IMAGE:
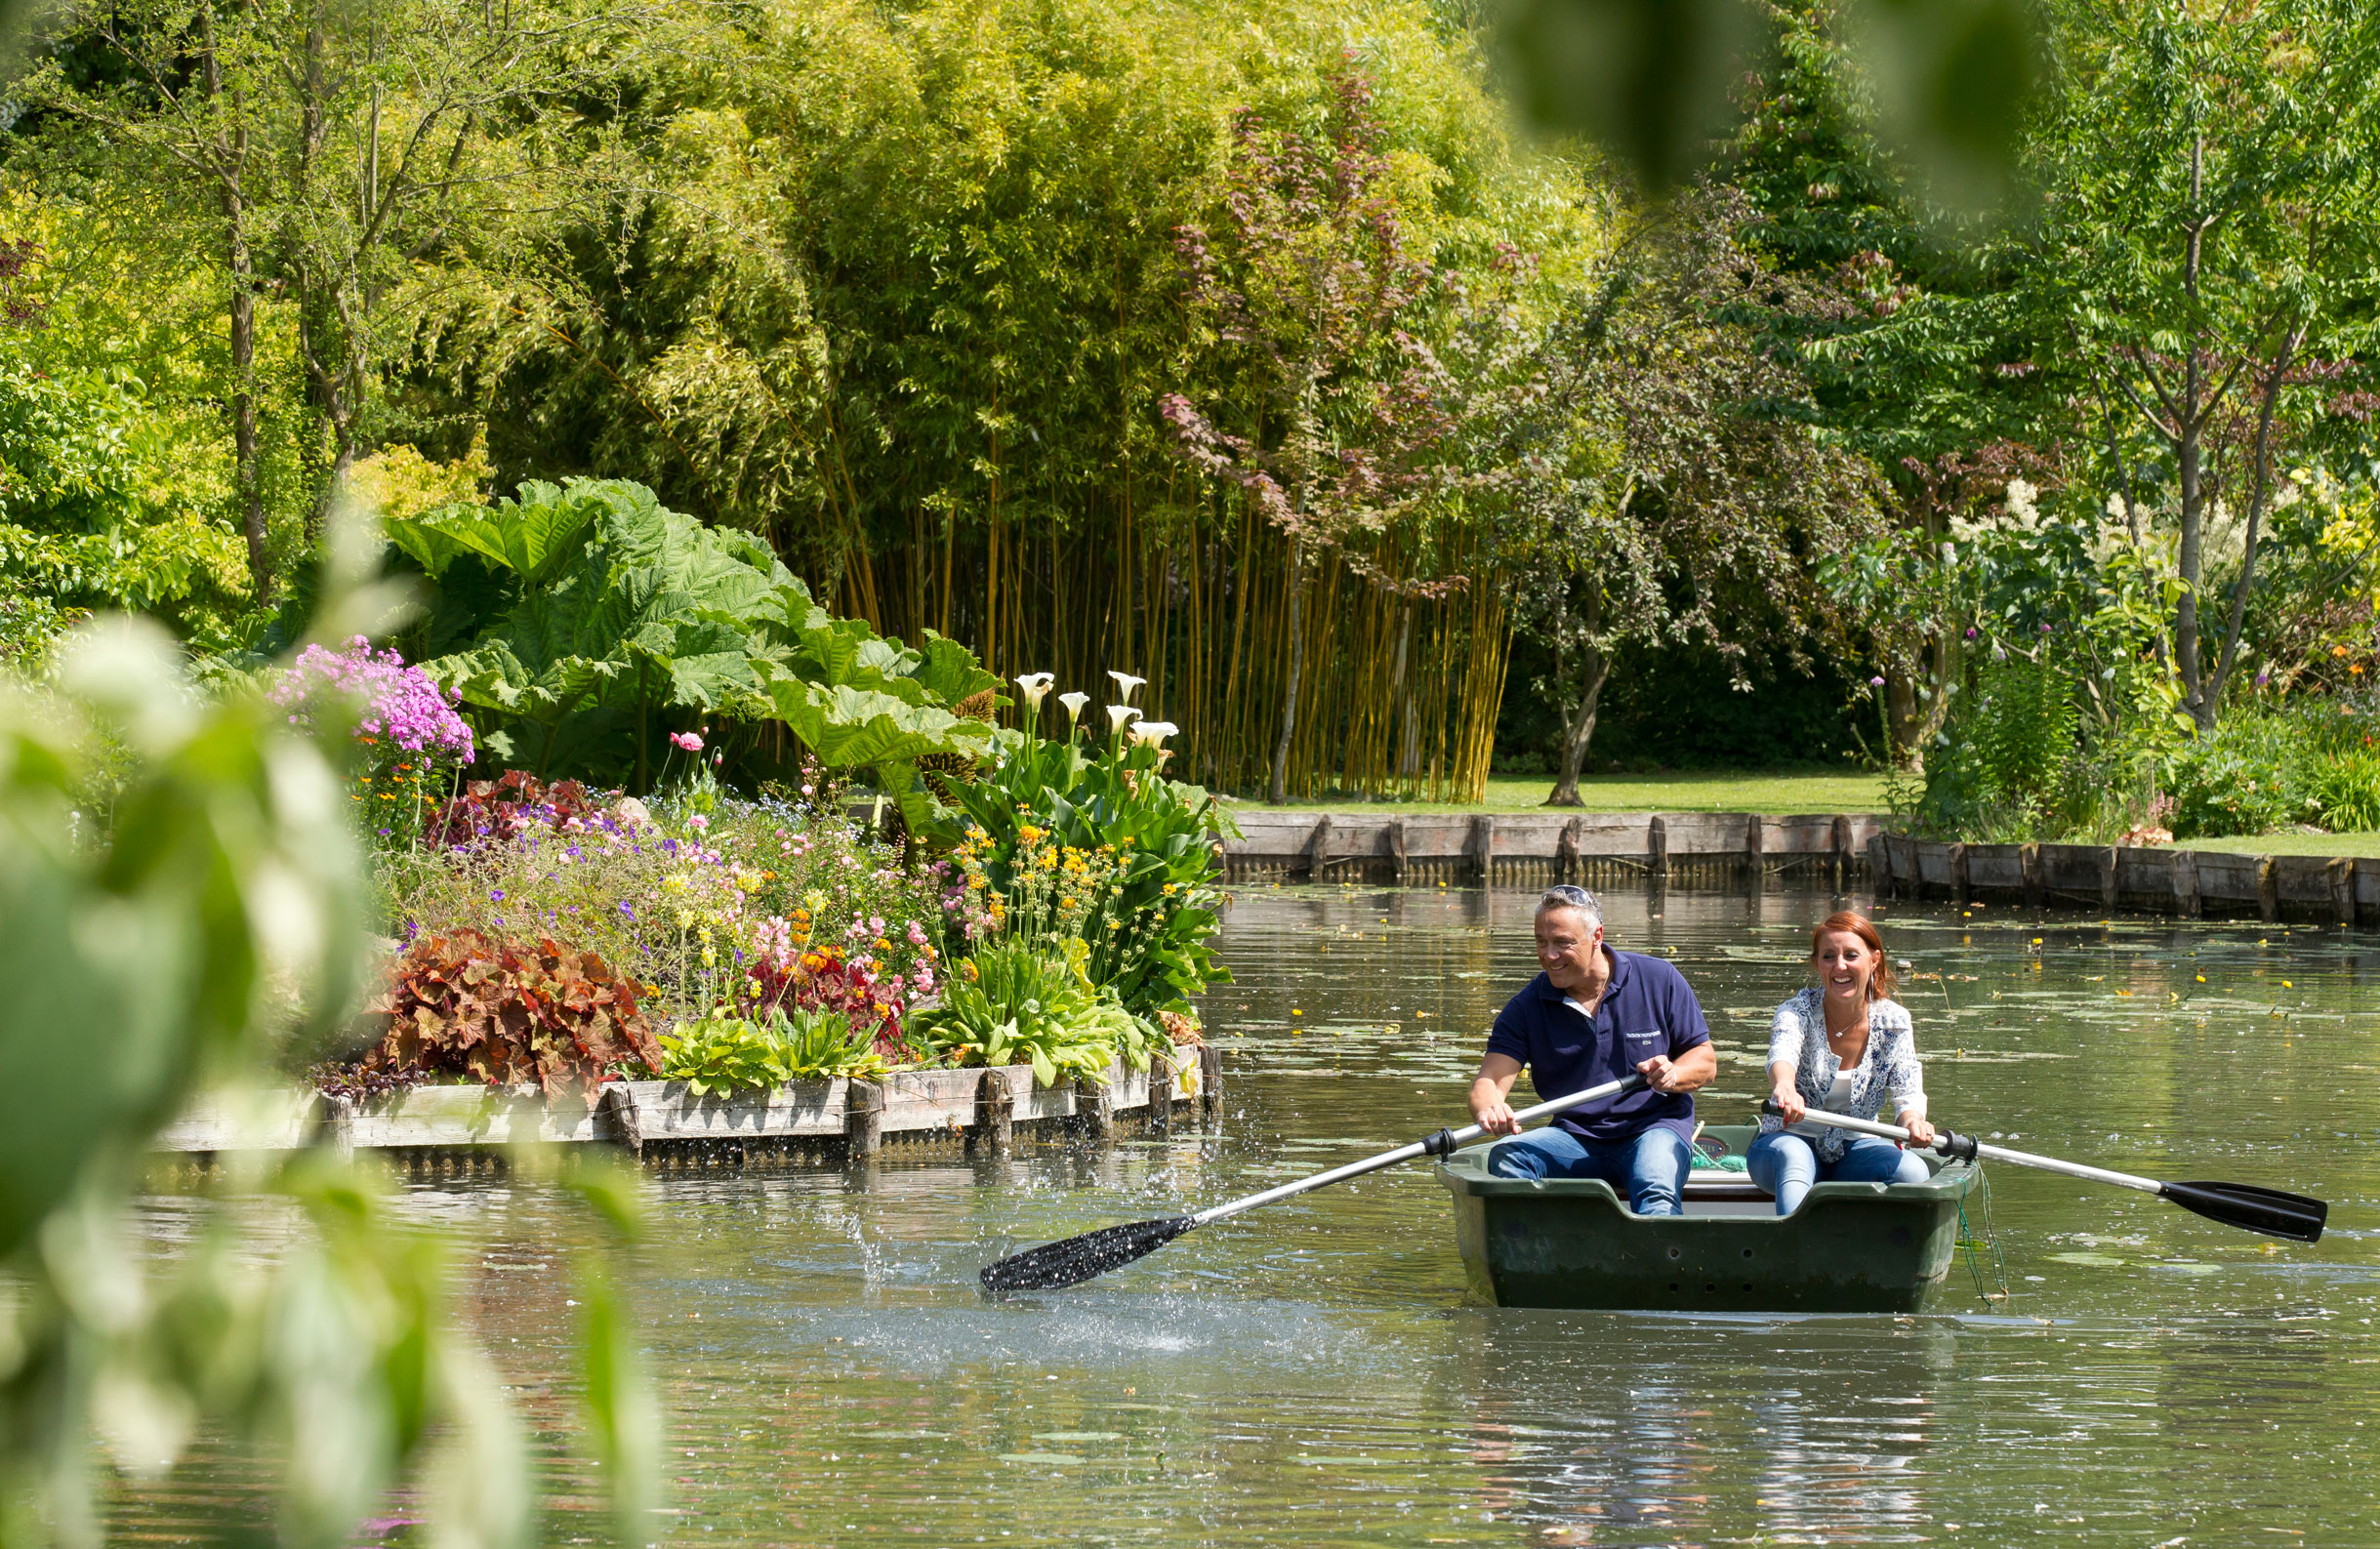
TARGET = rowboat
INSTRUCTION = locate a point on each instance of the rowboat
(1852, 1247)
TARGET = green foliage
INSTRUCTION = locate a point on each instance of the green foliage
(1066, 846)
(2309, 760)
(611, 611)
(723, 1052)
(2001, 765)
(1016, 1003)
(208, 922)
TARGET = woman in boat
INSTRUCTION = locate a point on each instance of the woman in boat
(1838, 1047)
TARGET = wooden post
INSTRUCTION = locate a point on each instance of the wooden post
(1568, 868)
(1160, 1094)
(615, 1118)
(1839, 843)
(1959, 875)
(1483, 848)
(1656, 849)
(1318, 847)
(1095, 1103)
(2106, 879)
(338, 1126)
(1210, 1082)
(1754, 837)
(2029, 859)
(1396, 850)
(1880, 865)
(2342, 878)
(2186, 883)
(995, 1128)
(2268, 888)
(863, 1119)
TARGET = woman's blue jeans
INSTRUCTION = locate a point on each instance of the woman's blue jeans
(1650, 1165)
(1787, 1165)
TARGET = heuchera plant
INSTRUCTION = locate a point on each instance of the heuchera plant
(511, 1013)
(499, 810)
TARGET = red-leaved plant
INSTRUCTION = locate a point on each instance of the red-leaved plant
(498, 810)
(511, 1013)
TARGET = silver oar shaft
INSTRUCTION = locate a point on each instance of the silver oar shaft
(2021, 1158)
(1438, 1145)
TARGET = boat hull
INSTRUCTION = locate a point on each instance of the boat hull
(1852, 1247)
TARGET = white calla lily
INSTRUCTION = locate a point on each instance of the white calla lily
(1126, 683)
(1118, 715)
(1154, 732)
(1036, 686)
(1074, 704)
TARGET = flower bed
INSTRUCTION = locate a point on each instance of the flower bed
(559, 935)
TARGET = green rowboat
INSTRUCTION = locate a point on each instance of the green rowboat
(1852, 1247)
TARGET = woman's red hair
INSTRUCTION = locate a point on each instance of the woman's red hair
(1883, 984)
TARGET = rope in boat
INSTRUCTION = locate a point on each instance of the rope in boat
(1975, 1249)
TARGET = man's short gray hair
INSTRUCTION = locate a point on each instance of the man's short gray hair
(1565, 896)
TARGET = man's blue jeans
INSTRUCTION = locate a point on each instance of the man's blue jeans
(1650, 1165)
(1787, 1165)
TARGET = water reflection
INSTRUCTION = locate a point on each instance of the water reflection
(1309, 1374)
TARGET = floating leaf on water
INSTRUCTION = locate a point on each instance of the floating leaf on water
(2097, 1260)
(1044, 1459)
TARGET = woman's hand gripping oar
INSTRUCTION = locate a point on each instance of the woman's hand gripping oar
(1077, 1258)
(2241, 1205)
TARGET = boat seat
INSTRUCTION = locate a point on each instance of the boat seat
(1708, 1183)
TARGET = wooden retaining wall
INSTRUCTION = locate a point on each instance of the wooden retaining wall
(2112, 879)
(465, 1127)
(1540, 848)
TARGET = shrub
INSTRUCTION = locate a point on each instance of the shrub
(2003, 764)
(1064, 846)
(499, 811)
(723, 1052)
(2344, 791)
(406, 730)
(1012, 1005)
(511, 1013)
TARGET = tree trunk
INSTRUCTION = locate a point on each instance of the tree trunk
(247, 474)
(2188, 453)
(1580, 728)
(1280, 793)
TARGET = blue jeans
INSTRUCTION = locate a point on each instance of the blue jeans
(1787, 1165)
(1651, 1166)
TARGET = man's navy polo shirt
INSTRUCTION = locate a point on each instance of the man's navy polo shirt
(1647, 1009)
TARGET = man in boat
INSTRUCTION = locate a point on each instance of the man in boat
(1591, 1016)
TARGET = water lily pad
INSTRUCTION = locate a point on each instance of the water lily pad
(2096, 1260)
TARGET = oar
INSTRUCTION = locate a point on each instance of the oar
(1077, 1259)
(2240, 1204)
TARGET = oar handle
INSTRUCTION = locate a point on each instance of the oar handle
(1956, 1147)
(1966, 1148)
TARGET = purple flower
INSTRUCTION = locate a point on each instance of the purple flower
(397, 702)
(625, 910)
(2046, 629)
(1970, 631)
(496, 894)
(1875, 682)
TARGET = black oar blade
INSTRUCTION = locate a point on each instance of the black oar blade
(2254, 1209)
(1077, 1259)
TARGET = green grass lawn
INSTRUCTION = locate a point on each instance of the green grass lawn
(1720, 791)
(2362, 846)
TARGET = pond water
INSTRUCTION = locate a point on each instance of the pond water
(1309, 1374)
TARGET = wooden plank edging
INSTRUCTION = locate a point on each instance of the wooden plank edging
(2132, 878)
(637, 1114)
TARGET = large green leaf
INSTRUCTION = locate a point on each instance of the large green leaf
(532, 536)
